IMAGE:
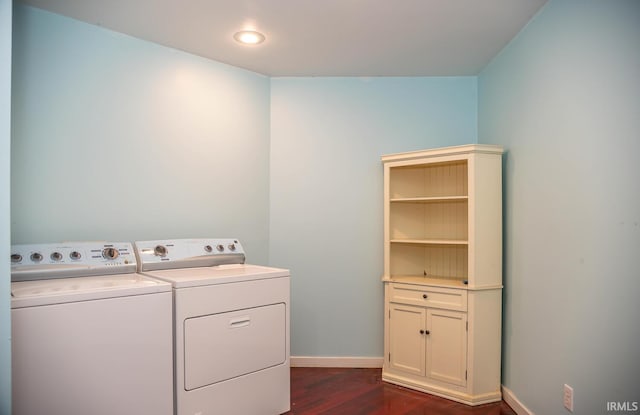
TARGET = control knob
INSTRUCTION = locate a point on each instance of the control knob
(220, 247)
(36, 257)
(16, 258)
(160, 250)
(110, 253)
(56, 256)
(208, 248)
(232, 247)
(75, 255)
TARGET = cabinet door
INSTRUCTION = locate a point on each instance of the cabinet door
(447, 346)
(406, 342)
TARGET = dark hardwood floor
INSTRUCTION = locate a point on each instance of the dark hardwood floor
(337, 391)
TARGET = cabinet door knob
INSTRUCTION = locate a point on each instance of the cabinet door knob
(424, 296)
(421, 331)
(426, 332)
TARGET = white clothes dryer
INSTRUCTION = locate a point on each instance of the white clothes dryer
(231, 328)
(89, 335)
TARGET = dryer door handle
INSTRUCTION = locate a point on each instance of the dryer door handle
(240, 322)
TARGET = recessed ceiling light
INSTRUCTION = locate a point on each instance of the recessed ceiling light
(249, 37)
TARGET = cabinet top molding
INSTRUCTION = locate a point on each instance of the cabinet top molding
(445, 151)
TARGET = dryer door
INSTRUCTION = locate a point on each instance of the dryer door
(226, 345)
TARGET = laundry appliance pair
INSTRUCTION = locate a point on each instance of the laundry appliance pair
(179, 327)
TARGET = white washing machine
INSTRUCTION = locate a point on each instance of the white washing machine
(89, 335)
(231, 328)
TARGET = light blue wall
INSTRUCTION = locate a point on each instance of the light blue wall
(564, 99)
(327, 136)
(118, 138)
(5, 151)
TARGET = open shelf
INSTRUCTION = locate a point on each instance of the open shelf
(429, 241)
(437, 281)
(432, 199)
(430, 219)
(438, 259)
(443, 215)
(432, 180)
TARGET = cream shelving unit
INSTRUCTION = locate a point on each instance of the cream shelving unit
(443, 271)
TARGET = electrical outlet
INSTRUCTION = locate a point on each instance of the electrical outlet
(568, 397)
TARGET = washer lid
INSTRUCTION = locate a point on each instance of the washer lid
(219, 274)
(68, 290)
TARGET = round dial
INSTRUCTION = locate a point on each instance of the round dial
(220, 248)
(232, 247)
(208, 248)
(75, 255)
(16, 258)
(36, 257)
(160, 250)
(110, 253)
(56, 256)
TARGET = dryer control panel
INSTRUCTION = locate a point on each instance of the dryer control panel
(188, 253)
(71, 259)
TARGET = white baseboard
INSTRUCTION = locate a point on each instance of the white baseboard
(514, 403)
(330, 361)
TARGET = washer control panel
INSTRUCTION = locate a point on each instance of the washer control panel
(73, 259)
(188, 253)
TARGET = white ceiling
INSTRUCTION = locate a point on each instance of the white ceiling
(320, 37)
